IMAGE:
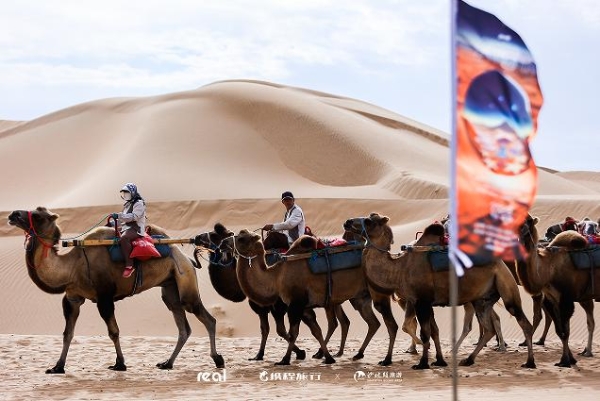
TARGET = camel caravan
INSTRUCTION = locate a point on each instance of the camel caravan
(290, 281)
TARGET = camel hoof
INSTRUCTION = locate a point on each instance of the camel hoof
(500, 349)
(318, 354)
(358, 356)
(219, 361)
(283, 362)
(119, 367)
(340, 353)
(56, 370)
(258, 357)
(539, 342)
(412, 351)
(300, 355)
(563, 364)
(466, 362)
(421, 366)
(166, 365)
(329, 360)
(586, 353)
(440, 362)
(529, 364)
(386, 362)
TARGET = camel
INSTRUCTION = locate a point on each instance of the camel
(89, 273)
(224, 280)
(381, 302)
(300, 289)
(410, 274)
(550, 272)
(569, 224)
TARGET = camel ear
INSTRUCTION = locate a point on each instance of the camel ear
(536, 220)
(385, 219)
(54, 216)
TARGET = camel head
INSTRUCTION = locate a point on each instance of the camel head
(246, 244)
(39, 222)
(374, 228)
(528, 234)
(212, 239)
(570, 239)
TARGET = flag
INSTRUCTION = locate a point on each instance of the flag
(496, 102)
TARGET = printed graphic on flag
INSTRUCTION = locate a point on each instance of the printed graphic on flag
(498, 99)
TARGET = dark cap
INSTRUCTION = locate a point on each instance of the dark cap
(287, 195)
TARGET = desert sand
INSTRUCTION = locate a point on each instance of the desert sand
(224, 153)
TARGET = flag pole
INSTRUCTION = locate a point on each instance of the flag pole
(452, 276)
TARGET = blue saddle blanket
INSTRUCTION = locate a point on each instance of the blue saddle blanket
(117, 256)
(440, 261)
(324, 260)
(586, 258)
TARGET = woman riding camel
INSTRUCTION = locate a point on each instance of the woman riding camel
(132, 222)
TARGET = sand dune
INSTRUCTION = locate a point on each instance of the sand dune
(225, 152)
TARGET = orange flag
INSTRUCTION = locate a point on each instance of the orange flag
(497, 101)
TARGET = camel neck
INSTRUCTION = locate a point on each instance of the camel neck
(383, 271)
(46, 268)
(257, 280)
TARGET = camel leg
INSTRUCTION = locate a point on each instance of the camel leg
(310, 319)
(344, 327)
(409, 326)
(198, 309)
(334, 314)
(170, 297)
(516, 310)
(106, 307)
(537, 318)
(424, 311)
(547, 324)
(296, 313)
(278, 311)
(467, 324)
(263, 316)
(509, 293)
(498, 331)
(483, 310)
(332, 324)
(588, 307)
(71, 312)
(561, 311)
(435, 334)
(365, 309)
(382, 304)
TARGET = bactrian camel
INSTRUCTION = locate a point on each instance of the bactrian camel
(89, 273)
(411, 275)
(299, 288)
(550, 272)
(224, 280)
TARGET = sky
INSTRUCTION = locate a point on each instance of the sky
(391, 53)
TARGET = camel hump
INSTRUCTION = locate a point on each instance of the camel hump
(305, 243)
(570, 239)
(436, 229)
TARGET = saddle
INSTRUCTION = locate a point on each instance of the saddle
(116, 255)
(588, 258)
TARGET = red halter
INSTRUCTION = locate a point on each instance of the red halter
(29, 235)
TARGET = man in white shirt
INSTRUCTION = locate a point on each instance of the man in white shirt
(294, 224)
